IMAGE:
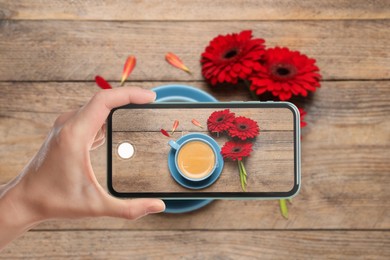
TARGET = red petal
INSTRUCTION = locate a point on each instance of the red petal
(246, 70)
(128, 68)
(175, 125)
(237, 67)
(195, 122)
(176, 62)
(164, 133)
(102, 83)
(284, 96)
(221, 76)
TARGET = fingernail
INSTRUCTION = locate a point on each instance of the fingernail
(149, 93)
(157, 207)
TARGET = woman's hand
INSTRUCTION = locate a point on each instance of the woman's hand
(59, 181)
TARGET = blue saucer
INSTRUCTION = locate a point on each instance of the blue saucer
(181, 93)
(195, 185)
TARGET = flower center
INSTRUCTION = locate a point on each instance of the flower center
(237, 149)
(220, 119)
(283, 71)
(242, 127)
(230, 54)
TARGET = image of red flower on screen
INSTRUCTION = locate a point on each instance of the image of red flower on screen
(220, 121)
(236, 150)
(244, 128)
(286, 73)
(231, 57)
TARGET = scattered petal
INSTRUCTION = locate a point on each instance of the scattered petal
(128, 68)
(102, 83)
(165, 133)
(176, 62)
(175, 125)
(195, 122)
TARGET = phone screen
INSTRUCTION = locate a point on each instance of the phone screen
(200, 150)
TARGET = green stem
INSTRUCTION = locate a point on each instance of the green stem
(241, 176)
(283, 208)
(244, 174)
(243, 168)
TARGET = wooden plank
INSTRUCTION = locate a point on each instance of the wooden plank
(345, 160)
(59, 97)
(270, 166)
(351, 102)
(78, 50)
(193, 10)
(201, 245)
(268, 119)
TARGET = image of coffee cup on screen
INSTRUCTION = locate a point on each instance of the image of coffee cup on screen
(195, 160)
(203, 150)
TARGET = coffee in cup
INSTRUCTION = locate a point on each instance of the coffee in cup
(195, 159)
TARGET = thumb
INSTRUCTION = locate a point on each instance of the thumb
(91, 117)
(134, 208)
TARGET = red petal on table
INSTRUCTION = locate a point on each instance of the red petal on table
(176, 62)
(102, 83)
(175, 125)
(165, 133)
(128, 68)
(195, 122)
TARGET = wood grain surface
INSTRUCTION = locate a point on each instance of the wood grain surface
(119, 10)
(202, 245)
(78, 50)
(268, 119)
(50, 52)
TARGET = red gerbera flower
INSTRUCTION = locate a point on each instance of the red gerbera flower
(220, 121)
(232, 56)
(302, 113)
(286, 73)
(236, 150)
(244, 128)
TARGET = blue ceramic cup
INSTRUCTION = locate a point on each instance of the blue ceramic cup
(194, 158)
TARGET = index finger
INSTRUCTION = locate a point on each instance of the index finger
(93, 115)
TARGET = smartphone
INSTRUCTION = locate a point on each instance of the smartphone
(232, 150)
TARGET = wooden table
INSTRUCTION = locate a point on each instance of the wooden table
(50, 52)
